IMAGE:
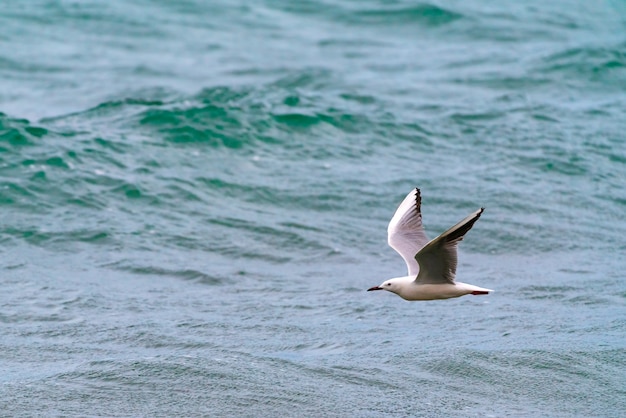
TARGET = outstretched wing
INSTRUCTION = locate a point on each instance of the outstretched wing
(437, 260)
(405, 232)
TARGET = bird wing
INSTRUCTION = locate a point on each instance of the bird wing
(437, 260)
(405, 232)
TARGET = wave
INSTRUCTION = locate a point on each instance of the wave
(603, 64)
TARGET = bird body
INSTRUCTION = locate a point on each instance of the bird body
(431, 264)
(407, 288)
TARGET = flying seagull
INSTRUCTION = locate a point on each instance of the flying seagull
(431, 264)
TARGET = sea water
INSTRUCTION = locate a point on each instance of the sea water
(194, 199)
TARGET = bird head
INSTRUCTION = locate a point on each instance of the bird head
(391, 285)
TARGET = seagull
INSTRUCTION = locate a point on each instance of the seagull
(431, 264)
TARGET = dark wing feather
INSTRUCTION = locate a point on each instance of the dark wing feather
(438, 259)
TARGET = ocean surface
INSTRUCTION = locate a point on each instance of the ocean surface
(194, 198)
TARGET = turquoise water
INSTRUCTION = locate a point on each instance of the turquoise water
(195, 196)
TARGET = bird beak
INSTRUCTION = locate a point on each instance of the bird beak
(374, 288)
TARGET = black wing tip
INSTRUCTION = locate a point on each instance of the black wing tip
(473, 221)
(418, 199)
(464, 229)
(479, 213)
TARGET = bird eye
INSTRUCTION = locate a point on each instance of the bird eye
(388, 284)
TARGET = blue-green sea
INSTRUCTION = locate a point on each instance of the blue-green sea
(194, 198)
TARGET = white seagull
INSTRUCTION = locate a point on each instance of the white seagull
(431, 264)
